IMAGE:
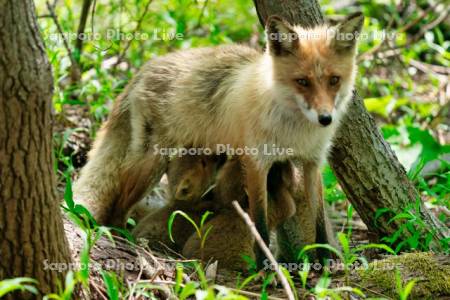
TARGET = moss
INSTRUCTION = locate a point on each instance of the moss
(432, 278)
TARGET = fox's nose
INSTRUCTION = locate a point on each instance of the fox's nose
(325, 119)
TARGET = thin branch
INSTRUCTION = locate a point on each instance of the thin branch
(92, 15)
(138, 26)
(377, 50)
(99, 290)
(202, 13)
(415, 21)
(434, 23)
(51, 9)
(427, 68)
(265, 249)
(44, 16)
(81, 27)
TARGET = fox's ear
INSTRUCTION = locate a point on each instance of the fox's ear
(281, 37)
(347, 32)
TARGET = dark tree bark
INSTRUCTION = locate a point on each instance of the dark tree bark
(31, 231)
(76, 68)
(365, 165)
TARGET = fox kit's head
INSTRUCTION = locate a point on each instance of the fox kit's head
(190, 176)
(314, 67)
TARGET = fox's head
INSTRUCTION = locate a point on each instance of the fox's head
(314, 67)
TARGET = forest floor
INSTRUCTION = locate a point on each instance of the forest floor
(138, 263)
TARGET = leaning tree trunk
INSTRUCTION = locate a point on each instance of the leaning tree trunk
(31, 231)
(365, 165)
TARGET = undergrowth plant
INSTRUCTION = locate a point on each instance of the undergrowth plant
(403, 291)
(347, 255)
(200, 229)
(419, 234)
(18, 284)
(201, 289)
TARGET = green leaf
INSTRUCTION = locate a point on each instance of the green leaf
(125, 233)
(343, 240)
(322, 246)
(178, 278)
(131, 222)
(400, 216)
(251, 263)
(184, 215)
(68, 194)
(85, 261)
(290, 281)
(204, 236)
(304, 272)
(379, 212)
(201, 276)
(188, 290)
(111, 284)
(408, 289)
(248, 280)
(101, 231)
(19, 283)
(204, 217)
(69, 285)
(372, 246)
(382, 105)
(351, 290)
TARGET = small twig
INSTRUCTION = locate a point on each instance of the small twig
(434, 23)
(426, 68)
(99, 290)
(199, 21)
(378, 50)
(371, 290)
(51, 9)
(424, 13)
(253, 295)
(128, 44)
(94, 5)
(44, 16)
(265, 249)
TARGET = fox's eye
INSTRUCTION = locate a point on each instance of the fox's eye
(303, 82)
(334, 80)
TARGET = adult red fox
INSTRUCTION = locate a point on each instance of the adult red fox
(291, 96)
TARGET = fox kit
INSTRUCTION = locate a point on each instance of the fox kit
(230, 238)
(228, 230)
(194, 175)
(189, 178)
(291, 96)
(280, 183)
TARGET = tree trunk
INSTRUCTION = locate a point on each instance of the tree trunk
(372, 177)
(31, 231)
(364, 164)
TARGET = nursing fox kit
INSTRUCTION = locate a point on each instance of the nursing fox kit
(293, 96)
